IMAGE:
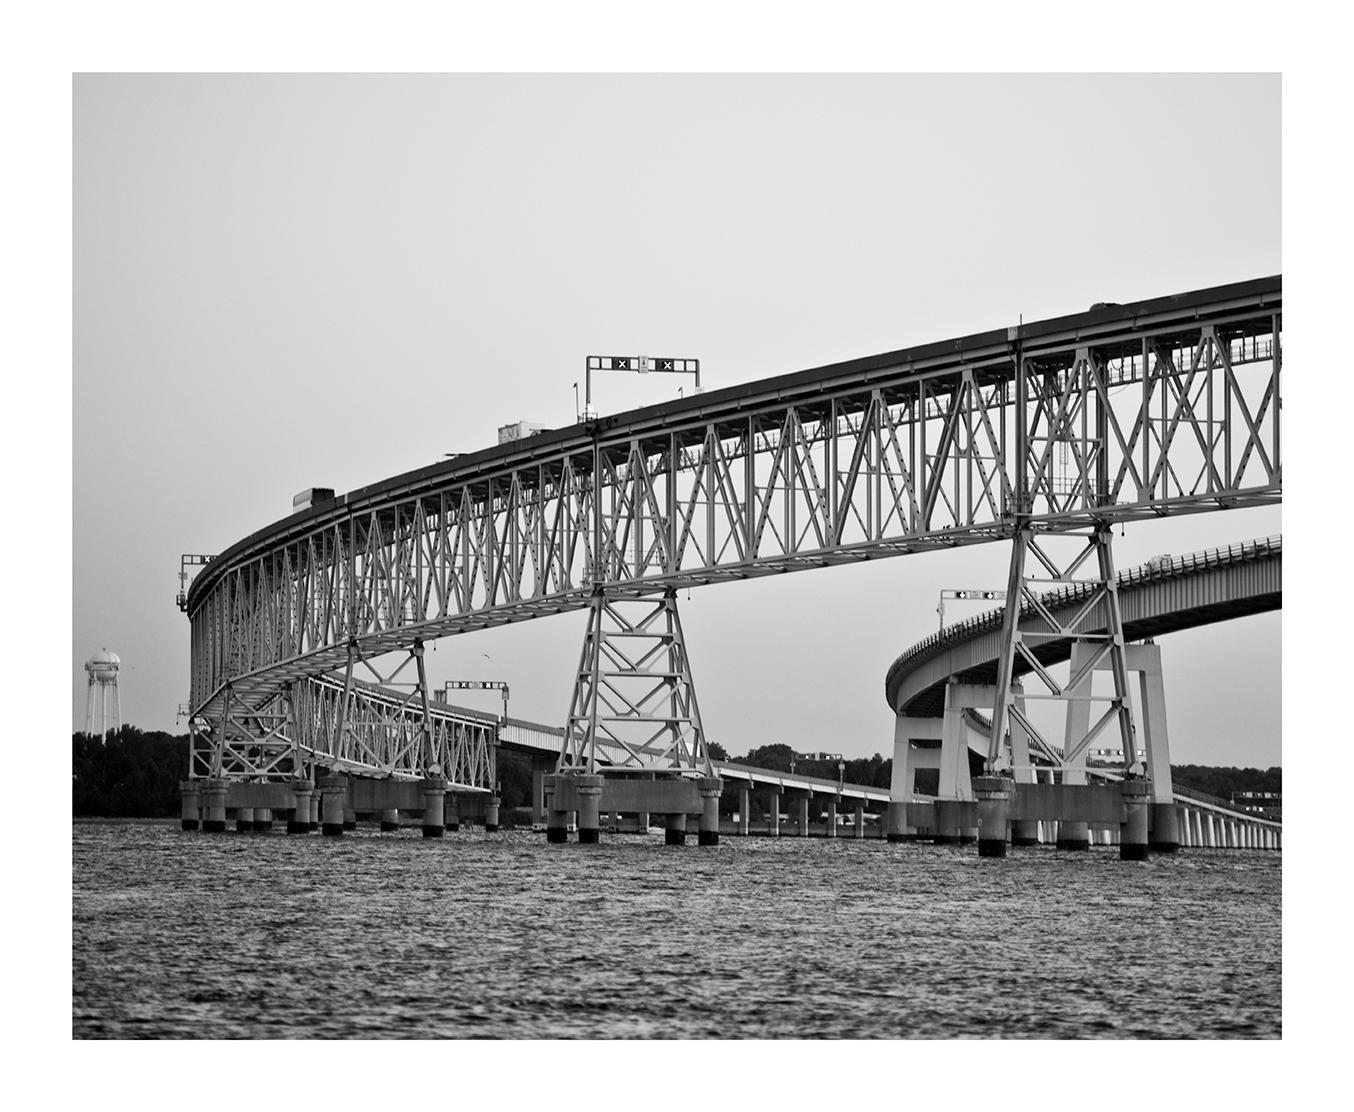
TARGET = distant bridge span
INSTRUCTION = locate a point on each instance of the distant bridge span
(1125, 412)
(1186, 592)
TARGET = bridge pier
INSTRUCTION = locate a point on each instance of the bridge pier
(1073, 835)
(390, 819)
(263, 820)
(1133, 830)
(491, 814)
(895, 822)
(642, 820)
(994, 799)
(803, 831)
(244, 820)
(190, 805)
(434, 804)
(1164, 831)
(214, 806)
(349, 815)
(744, 810)
(710, 788)
(333, 799)
(773, 816)
(299, 823)
(832, 817)
(1024, 832)
(948, 831)
(451, 812)
(860, 820)
(675, 832)
(589, 790)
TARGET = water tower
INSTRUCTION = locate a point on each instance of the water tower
(103, 678)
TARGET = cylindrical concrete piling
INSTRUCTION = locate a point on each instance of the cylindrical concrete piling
(832, 817)
(390, 819)
(803, 831)
(895, 821)
(263, 820)
(1163, 835)
(1073, 835)
(947, 822)
(349, 815)
(993, 794)
(333, 797)
(744, 810)
(244, 820)
(299, 823)
(434, 802)
(214, 806)
(451, 812)
(860, 820)
(556, 826)
(589, 808)
(491, 814)
(773, 815)
(190, 804)
(710, 788)
(1024, 832)
(675, 833)
(1137, 797)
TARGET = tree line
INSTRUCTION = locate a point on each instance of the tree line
(136, 773)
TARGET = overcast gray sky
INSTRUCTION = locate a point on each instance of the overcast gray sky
(292, 281)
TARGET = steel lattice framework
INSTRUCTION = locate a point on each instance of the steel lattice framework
(1121, 413)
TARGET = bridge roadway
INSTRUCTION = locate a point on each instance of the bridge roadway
(1163, 406)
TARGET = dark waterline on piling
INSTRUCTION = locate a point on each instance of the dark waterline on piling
(180, 934)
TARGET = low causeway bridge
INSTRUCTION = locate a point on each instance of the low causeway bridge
(307, 637)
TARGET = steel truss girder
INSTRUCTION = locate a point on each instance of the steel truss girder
(1098, 623)
(1162, 417)
(347, 726)
(634, 702)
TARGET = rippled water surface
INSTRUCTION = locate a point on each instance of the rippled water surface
(267, 936)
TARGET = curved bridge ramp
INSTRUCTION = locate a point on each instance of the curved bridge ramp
(1157, 598)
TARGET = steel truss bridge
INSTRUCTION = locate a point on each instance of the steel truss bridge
(1125, 412)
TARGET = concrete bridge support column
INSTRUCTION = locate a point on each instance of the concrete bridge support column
(451, 813)
(1073, 835)
(1164, 835)
(263, 820)
(744, 810)
(860, 820)
(804, 817)
(642, 821)
(434, 807)
(994, 803)
(491, 814)
(390, 819)
(190, 805)
(244, 820)
(1024, 832)
(773, 814)
(589, 809)
(895, 821)
(832, 817)
(1137, 796)
(214, 806)
(349, 815)
(299, 823)
(947, 822)
(710, 788)
(675, 834)
(333, 800)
